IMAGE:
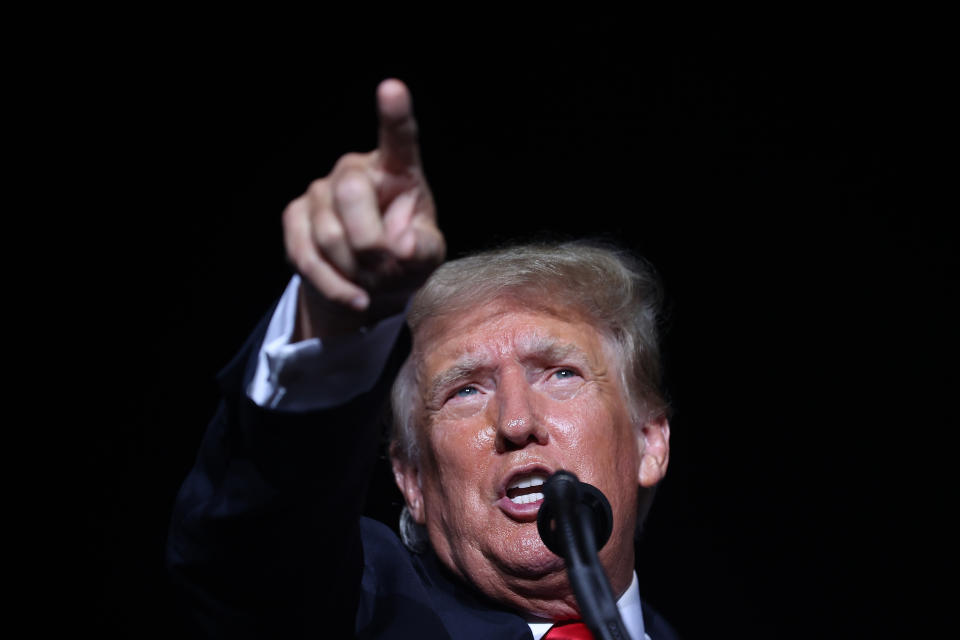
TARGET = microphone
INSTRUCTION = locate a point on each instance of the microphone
(562, 493)
(574, 522)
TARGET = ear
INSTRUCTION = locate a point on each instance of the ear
(407, 477)
(654, 442)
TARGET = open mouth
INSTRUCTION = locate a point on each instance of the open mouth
(526, 489)
(522, 493)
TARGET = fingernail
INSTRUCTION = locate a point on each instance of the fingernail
(360, 302)
(407, 244)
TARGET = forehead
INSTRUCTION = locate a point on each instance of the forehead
(507, 328)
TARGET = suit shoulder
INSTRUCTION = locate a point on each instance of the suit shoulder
(393, 599)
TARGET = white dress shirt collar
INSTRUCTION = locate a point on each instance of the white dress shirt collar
(629, 606)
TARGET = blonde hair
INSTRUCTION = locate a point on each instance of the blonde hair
(617, 292)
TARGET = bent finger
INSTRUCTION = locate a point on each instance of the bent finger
(355, 203)
(325, 227)
(309, 263)
(331, 239)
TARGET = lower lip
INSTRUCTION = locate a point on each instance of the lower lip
(522, 512)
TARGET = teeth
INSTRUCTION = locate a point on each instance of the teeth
(529, 481)
(527, 499)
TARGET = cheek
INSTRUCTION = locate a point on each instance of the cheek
(598, 442)
(585, 425)
(460, 441)
(459, 452)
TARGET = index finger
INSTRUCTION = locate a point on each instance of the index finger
(398, 146)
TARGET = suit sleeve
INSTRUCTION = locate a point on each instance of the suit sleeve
(264, 539)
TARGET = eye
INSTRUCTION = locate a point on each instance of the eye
(565, 374)
(466, 392)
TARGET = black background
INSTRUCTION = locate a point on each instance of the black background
(772, 180)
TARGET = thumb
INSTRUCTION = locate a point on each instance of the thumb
(421, 243)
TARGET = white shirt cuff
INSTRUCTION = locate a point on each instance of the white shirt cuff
(312, 375)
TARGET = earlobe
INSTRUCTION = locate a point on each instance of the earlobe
(407, 477)
(654, 441)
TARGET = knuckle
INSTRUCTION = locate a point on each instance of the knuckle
(318, 188)
(350, 160)
(329, 235)
(351, 186)
(292, 212)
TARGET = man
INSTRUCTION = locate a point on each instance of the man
(523, 361)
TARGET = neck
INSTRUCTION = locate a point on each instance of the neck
(547, 595)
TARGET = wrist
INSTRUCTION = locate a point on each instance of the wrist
(319, 317)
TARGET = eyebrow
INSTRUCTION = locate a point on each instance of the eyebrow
(538, 349)
(462, 368)
(541, 348)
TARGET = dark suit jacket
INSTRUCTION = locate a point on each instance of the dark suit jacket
(267, 539)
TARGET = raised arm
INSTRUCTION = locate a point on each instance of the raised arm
(264, 538)
(365, 237)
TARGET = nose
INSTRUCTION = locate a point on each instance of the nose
(519, 423)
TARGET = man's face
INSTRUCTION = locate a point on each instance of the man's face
(510, 395)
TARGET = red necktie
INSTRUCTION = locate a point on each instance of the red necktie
(569, 631)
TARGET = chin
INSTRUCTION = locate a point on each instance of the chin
(525, 556)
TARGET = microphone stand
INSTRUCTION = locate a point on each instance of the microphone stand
(573, 516)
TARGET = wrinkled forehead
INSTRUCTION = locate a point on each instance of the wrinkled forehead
(509, 327)
(459, 317)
